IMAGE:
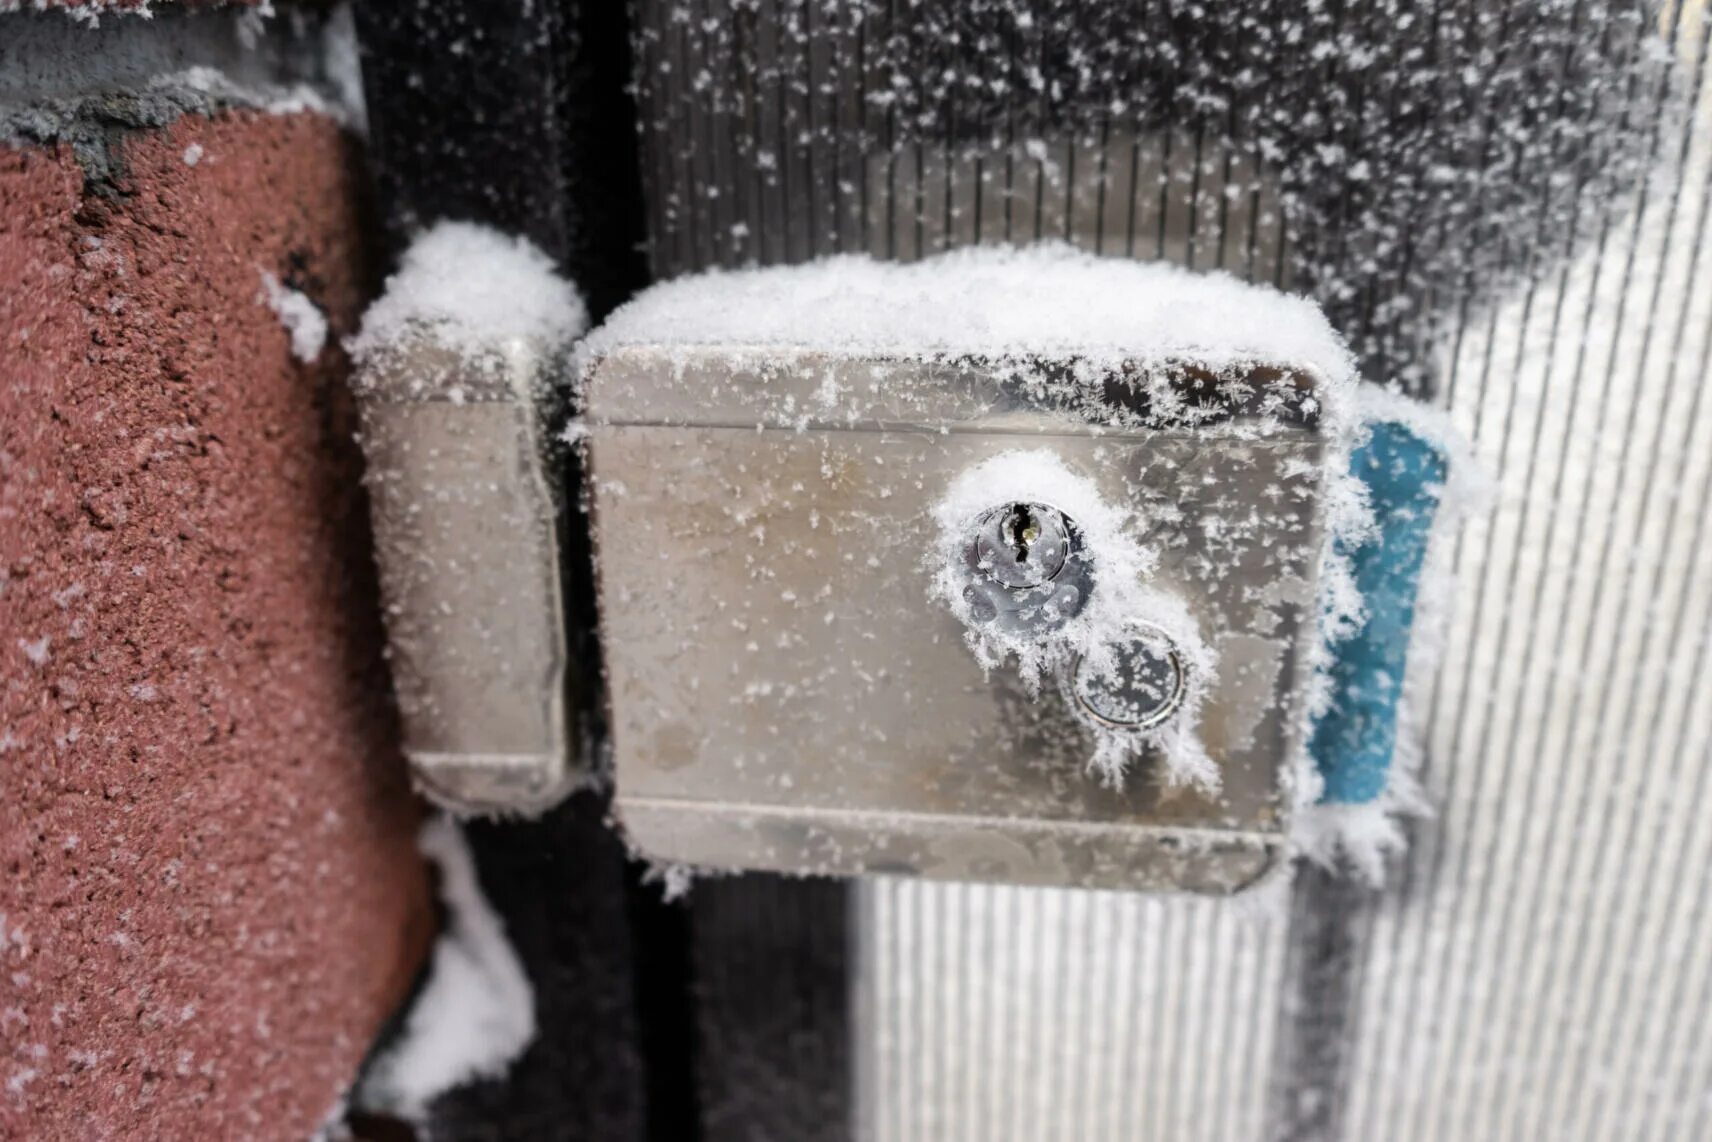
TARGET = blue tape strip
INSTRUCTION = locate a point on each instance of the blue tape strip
(1353, 742)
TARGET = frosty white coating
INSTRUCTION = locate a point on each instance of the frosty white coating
(302, 318)
(475, 1014)
(455, 364)
(476, 288)
(1042, 300)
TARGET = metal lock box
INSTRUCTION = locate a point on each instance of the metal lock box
(786, 692)
(468, 545)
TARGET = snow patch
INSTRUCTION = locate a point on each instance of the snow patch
(1047, 300)
(1118, 595)
(36, 651)
(476, 1013)
(193, 154)
(475, 289)
(301, 317)
(275, 99)
(675, 880)
(85, 12)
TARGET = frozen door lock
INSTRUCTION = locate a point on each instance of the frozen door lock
(1029, 612)
(1053, 581)
(1027, 568)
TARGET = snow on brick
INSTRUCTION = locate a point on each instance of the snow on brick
(301, 317)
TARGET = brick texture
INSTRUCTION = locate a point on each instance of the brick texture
(209, 894)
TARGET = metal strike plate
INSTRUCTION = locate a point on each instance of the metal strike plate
(784, 693)
(467, 540)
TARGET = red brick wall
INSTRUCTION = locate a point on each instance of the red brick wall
(208, 882)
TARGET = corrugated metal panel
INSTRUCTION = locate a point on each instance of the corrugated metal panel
(1527, 240)
(992, 1013)
(1543, 972)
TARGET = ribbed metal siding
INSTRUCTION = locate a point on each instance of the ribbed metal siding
(1543, 970)
(995, 1013)
(1374, 153)
(1530, 249)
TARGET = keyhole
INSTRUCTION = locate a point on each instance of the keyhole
(1024, 530)
(1019, 544)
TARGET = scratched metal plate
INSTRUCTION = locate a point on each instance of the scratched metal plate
(786, 695)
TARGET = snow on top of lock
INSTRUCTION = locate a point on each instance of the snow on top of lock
(475, 287)
(1048, 300)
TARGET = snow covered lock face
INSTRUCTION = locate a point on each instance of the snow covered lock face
(1026, 568)
(1079, 602)
(877, 604)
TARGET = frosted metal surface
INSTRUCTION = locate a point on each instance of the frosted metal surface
(1541, 966)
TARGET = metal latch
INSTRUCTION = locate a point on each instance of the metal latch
(467, 519)
(1022, 617)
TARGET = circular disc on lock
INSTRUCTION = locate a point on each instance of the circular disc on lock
(1145, 684)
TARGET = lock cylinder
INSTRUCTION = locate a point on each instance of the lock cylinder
(1027, 569)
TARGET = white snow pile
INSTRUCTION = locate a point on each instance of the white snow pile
(301, 317)
(1119, 593)
(1041, 301)
(86, 12)
(273, 98)
(476, 1013)
(474, 291)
